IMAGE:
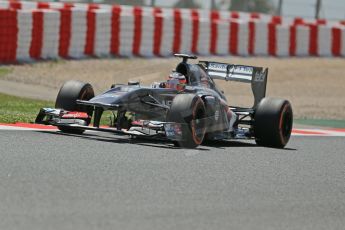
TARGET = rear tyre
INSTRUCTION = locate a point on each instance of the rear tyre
(69, 93)
(189, 111)
(273, 121)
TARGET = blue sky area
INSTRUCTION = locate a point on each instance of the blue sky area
(331, 9)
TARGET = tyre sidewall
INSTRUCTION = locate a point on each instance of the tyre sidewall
(66, 99)
(70, 92)
(270, 122)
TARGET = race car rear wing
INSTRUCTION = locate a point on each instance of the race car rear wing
(257, 76)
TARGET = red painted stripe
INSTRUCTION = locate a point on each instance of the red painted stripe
(298, 21)
(251, 38)
(30, 126)
(214, 31)
(37, 34)
(313, 38)
(91, 29)
(272, 39)
(297, 131)
(177, 31)
(137, 11)
(255, 15)
(234, 14)
(43, 5)
(15, 5)
(233, 38)
(90, 33)
(292, 45)
(115, 30)
(336, 41)
(321, 21)
(214, 15)
(68, 5)
(158, 31)
(8, 35)
(65, 31)
(93, 6)
(276, 20)
(342, 130)
(195, 29)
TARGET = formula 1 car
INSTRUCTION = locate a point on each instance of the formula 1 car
(188, 117)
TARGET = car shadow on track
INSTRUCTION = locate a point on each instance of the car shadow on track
(110, 138)
(239, 143)
(231, 143)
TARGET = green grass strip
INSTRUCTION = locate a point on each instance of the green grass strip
(16, 109)
(4, 71)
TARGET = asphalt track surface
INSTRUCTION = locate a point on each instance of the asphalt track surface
(56, 181)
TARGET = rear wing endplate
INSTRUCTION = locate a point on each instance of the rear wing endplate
(257, 76)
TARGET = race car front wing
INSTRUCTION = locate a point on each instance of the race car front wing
(78, 120)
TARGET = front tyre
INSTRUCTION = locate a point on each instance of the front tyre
(69, 93)
(273, 121)
(189, 111)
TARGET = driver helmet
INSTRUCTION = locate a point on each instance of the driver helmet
(176, 80)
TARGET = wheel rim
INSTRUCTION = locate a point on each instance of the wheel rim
(86, 95)
(286, 124)
(198, 126)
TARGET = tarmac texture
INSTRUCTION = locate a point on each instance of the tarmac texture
(51, 180)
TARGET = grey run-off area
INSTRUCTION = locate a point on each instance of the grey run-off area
(57, 181)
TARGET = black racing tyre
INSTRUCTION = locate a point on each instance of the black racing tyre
(66, 99)
(189, 110)
(273, 121)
